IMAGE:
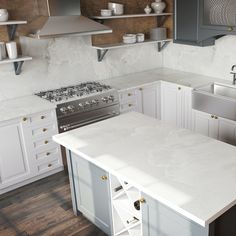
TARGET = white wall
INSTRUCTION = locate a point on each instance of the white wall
(213, 61)
(67, 61)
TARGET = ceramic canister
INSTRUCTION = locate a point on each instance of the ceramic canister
(3, 15)
(3, 53)
(12, 50)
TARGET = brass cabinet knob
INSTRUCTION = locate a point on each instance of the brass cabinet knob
(216, 117)
(141, 89)
(230, 28)
(179, 88)
(142, 200)
(130, 105)
(24, 119)
(49, 165)
(42, 117)
(48, 153)
(212, 116)
(130, 94)
(44, 130)
(104, 177)
(46, 141)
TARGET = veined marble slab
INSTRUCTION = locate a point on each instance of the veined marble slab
(190, 173)
(23, 106)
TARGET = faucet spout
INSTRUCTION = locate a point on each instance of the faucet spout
(233, 68)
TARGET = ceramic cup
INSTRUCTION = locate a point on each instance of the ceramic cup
(12, 50)
(140, 37)
(3, 53)
(3, 15)
(106, 12)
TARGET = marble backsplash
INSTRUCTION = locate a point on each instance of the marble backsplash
(66, 61)
(215, 61)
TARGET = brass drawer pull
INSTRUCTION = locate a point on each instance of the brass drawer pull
(49, 165)
(212, 116)
(46, 142)
(43, 117)
(130, 94)
(44, 130)
(141, 89)
(130, 105)
(104, 177)
(24, 119)
(216, 117)
(179, 88)
(142, 200)
(48, 154)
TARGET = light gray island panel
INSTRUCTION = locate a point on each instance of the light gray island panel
(91, 193)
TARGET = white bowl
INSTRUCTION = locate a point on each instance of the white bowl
(106, 12)
(117, 9)
(129, 38)
(140, 37)
(3, 15)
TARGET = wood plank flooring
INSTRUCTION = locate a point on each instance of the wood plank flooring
(43, 208)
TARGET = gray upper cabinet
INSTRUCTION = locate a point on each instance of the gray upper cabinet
(91, 192)
(201, 22)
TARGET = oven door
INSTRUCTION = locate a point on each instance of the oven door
(81, 119)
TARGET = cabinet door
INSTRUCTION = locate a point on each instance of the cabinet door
(206, 124)
(146, 99)
(159, 220)
(171, 104)
(14, 164)
(91, 190)
(227, 131)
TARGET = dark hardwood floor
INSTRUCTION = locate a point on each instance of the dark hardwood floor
(43, 208)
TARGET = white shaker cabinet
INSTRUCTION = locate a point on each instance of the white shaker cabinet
(144, 99)
(214, 127)
(176, 105)
(14, 161)
(27, 151)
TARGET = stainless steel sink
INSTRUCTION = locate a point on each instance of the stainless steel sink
(217, 99)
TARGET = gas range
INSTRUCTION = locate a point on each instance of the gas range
(83, 104)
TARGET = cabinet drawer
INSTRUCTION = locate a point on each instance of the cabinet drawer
(44, 130)
(48, 154)
(127, 107)
(39, 118)
(127, 95)
(44, 142)
(45, 167)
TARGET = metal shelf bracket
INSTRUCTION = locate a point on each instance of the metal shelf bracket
(12, 31)
(162, 45)
(17, 66)
(101, 54)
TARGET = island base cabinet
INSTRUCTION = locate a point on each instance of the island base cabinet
(91, 192)
(159, 220)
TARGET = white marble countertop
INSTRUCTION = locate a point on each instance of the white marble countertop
(161, 74)
(190, 173)
(23, 106)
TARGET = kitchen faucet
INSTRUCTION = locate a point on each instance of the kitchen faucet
(234, 74)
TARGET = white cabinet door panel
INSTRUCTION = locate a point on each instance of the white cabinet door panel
(149, 101)
(227, 130)
(14, 166)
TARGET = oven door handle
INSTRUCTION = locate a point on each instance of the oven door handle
(77, 125)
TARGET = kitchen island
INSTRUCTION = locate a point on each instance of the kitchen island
(183, 181)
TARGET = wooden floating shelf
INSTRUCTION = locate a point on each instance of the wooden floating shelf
(13, 22)
(122, 45)
(103, 49)
(129, 16)
(18, 62)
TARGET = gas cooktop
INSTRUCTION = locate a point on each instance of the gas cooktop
(72, 92)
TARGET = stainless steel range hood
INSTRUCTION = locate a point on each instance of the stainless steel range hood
(65, 19)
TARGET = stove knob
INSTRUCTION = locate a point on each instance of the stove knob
(105, 99)
(111, 98)
(95, 102)
(71, 108)
(81, 106)
(63, 110)
(87, 104)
